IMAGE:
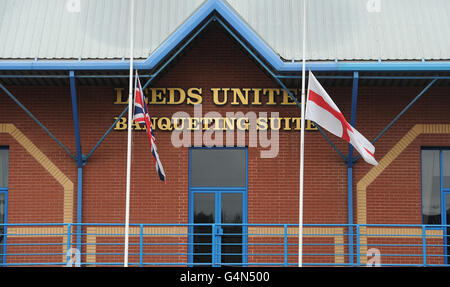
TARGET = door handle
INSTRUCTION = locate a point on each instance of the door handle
(218, 231)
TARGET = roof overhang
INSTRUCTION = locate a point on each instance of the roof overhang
(266, 53)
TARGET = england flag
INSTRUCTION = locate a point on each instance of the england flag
(141, 116)
(321, 109)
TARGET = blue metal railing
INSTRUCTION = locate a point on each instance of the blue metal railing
(52, 244)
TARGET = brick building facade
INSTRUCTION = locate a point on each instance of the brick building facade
(63, 138)
(43, 178)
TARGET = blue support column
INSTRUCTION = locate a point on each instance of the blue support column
(79, 157)
(350, 170)
(76, 123)
(79, 207)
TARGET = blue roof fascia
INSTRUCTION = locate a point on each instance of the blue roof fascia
(250, 36)
(376, 66)
(180, 34)
(230, 16)
(67, 65)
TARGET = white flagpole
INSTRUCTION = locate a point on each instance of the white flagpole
(302, 146)
(130, 121)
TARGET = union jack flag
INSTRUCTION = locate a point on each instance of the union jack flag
(141, 116)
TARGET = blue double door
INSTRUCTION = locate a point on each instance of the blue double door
(218, 230)
(218, 206)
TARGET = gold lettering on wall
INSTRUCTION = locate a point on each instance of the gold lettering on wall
(220, 97)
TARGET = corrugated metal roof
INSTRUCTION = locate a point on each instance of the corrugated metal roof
(47, 29)
(348, 30)
(343, 30)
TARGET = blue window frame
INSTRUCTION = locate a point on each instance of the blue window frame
(4, 174)
(435, 181)
(218, 208)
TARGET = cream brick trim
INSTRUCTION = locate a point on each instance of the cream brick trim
(161, 231)
(47, 164)
(363, 184)
(91, 241)
(174, 231)
(41, 231)
(64, 243)
(382, 232)
(14, 232)
(403, 232)
(337, 233)
(166, 231)
(307, 231)
(339, 251)
(57, 174)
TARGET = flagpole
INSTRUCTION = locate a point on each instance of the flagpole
(302, 145)
(130, 112)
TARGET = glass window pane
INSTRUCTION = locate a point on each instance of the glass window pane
(232, 234)
(204, 209)
(447, 211)
(447, 215)
(446, 168)
(218, 167)
(2, 208)
(4, 167)
(2, 228)
(431, 190)
(231, 208)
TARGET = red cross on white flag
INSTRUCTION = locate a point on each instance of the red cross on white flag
(324, 112)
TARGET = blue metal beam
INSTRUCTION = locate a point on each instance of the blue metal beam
(101, 76)
(79, 156)
(79, 207)
(350, 170)
(405, 109)
(37, 121)
(76, 122)
(367, 66)
(106, 134)
(400, 114)
(115, 123)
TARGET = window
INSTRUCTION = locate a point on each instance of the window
(446, 169)
(218, 167)
(435, 185)
(4, 170)
(4, 167)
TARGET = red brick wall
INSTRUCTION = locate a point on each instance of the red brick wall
(35, 196)
(214, 61)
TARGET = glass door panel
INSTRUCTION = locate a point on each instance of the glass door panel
(231, 212)
(204, 212)
(447, 228)
(2, 227)
(431, 187)
(446, 169)
(4, 167)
